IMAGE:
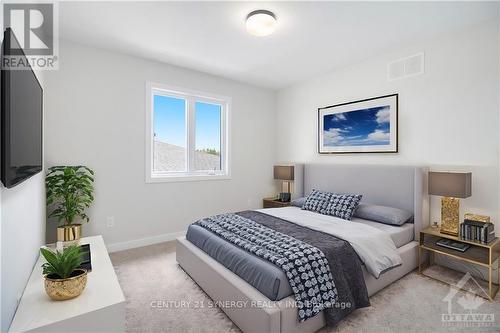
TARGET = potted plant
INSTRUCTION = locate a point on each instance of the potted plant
(63, 279)
(70, 191)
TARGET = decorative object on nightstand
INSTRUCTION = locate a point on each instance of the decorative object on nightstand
(451, 186)
(454, 245)
(70, 190)
(477, 228)
(274, 203)
(284, 173)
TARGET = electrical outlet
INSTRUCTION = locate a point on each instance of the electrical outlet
(110, 221)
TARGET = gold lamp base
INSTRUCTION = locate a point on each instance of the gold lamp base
(450, 212)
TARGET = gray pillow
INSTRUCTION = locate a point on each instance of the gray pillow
(383, 214)
(299, 202)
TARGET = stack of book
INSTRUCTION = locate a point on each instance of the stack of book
(483, 232)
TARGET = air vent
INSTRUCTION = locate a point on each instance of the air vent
(406, 67)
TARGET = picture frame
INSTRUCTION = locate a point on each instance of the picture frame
(364, 126)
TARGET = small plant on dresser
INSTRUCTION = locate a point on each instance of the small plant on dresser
(63, 277)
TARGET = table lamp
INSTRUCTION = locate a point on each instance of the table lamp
(451, 186)
(286, 174)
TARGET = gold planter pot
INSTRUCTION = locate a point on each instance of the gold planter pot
(69, 233)
(63, 289)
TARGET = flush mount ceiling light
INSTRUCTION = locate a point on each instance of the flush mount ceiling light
(261, 23)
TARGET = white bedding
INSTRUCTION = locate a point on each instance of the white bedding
(400, 235)
(374, 247)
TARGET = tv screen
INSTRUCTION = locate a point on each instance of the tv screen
(21, 117)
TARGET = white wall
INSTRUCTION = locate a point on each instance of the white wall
(22, 220)
(95, 116)
(448, 117)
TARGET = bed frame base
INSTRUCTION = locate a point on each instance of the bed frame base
(253, 312)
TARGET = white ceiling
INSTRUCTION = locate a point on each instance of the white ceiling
(312, 37)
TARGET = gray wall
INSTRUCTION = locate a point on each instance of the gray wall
(96, 113)
(22, 232)
(448, 117)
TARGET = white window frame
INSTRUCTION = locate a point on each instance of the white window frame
(191, 97)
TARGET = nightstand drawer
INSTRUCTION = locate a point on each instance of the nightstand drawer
(273, 203)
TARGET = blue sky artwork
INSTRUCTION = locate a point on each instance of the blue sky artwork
(364, 127)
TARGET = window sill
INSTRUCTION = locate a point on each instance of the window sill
(184, 178)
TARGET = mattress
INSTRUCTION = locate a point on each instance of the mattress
(261, 274)
(400, 235)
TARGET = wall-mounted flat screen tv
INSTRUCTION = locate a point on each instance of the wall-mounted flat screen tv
(21, 117)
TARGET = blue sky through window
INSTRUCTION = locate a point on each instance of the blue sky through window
(207, 126)
(170, 122)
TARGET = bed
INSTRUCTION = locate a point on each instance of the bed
(269, 305)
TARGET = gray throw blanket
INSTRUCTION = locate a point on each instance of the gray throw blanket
(305, 266)
(343, 263)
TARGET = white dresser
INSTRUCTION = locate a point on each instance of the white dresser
(100, 308)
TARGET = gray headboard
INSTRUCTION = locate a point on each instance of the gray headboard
(402, 187)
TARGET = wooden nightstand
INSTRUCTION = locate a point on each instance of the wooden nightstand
(274, 203)
(478, 254)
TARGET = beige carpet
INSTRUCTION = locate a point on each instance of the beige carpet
(162, 298)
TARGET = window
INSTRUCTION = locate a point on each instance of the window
(187, 135)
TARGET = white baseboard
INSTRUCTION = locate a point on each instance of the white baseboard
(132, 244)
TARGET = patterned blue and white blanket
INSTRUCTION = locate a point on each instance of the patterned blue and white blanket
(305, 266)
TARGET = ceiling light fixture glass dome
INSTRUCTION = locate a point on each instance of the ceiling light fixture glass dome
(261, 23)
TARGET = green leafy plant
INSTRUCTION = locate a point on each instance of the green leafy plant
(61, 264)
(70, 191)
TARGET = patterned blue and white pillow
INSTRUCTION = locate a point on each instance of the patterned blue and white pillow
(343, 205)
(318, 201)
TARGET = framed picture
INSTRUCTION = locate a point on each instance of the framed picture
(366, 126)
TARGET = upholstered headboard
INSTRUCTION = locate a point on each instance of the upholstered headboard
(402, 187)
